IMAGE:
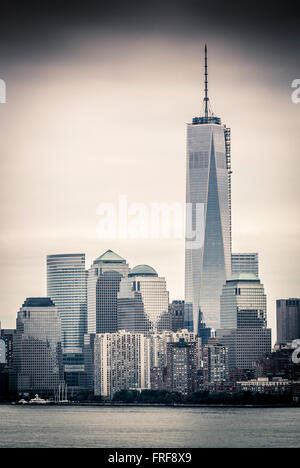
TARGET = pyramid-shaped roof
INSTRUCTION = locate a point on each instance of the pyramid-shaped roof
(110, 257)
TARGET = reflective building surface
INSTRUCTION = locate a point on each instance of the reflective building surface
(243, 302)
(244, 321)
(208, 220)
(143, 301)
(37, 361)
(66, 285)
(245, 263)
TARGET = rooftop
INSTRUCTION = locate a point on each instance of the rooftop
(110, 257)
(143, 270)
(38, 302)
(243, 277)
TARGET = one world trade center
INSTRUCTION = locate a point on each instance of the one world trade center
(208, 216)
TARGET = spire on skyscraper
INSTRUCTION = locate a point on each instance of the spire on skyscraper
(206, 98)
(206, 114)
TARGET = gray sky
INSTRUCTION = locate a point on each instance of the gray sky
(94, 113)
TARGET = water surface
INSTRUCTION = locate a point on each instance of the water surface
(27, 426)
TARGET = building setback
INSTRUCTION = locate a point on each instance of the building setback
(245, 263)
(244, 321)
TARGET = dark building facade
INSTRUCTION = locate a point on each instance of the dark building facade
(176, 310)
(107, 288)
(288, 320)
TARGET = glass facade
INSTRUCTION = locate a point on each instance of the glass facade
(143, 302)
(244, 321)
(288, 319)
(37, 360)
(243, 302)
(208, 185)
(66, 285)
(244, 263)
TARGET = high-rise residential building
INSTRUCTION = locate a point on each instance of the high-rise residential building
(121, 362)
(104, 277)
(288, 319)
(176, 310)
(245, 263)
(143, 301)
(244, 321)
(215, 362)
(208, 220)
(37, 356)
(67, 287)
(174, 366)
(159, 345)
(182, 369)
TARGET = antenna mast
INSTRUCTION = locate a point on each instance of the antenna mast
(206, 98)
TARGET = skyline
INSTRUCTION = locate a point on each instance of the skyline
(148, 85)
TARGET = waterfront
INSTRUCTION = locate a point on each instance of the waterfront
(109, 427)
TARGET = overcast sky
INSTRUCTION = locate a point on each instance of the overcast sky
(97, 105)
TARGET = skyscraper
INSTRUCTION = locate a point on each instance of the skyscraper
(143, 301)
(37, 359)
(244, 321)
(121, 361)
(104, 277)
(243, 302)
(66, 286)
(288, 320)
(245, 263)
(208, 220)
(215, 362)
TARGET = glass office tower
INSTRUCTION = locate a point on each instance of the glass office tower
(66, 285)
(208, 220)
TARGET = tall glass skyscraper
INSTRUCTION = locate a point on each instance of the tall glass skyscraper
(208, 220)
(66, 285)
